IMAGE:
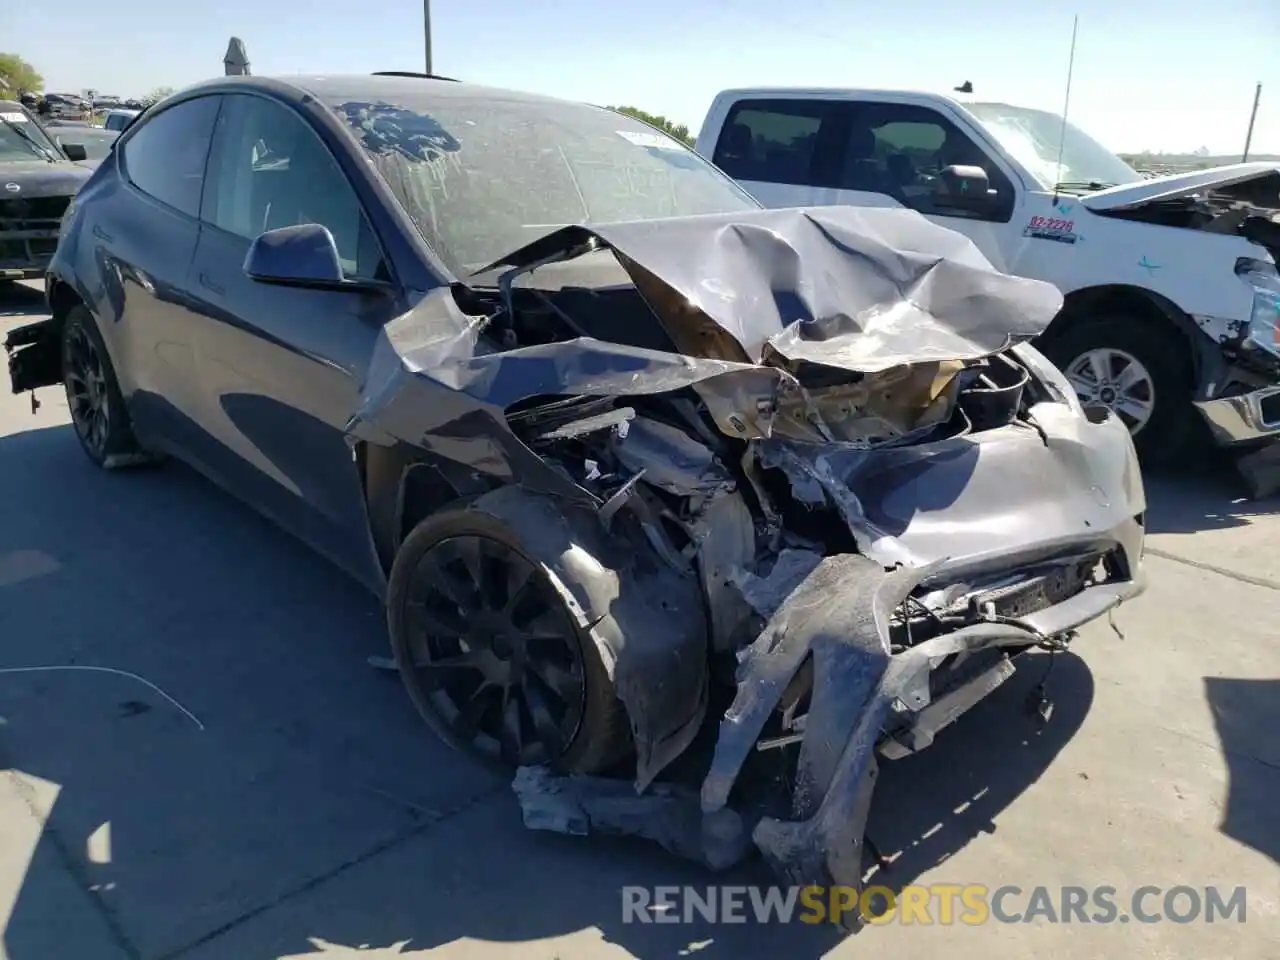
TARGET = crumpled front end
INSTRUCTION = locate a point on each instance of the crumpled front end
(834, 440)
(974, 555)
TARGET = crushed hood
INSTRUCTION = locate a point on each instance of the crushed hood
(1177, 185)
(857, 288)
(744, 298)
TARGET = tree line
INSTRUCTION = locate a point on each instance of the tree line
(19, 78)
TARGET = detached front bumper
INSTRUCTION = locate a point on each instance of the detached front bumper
(865, 701)
(1029, 533)
(1243, 419)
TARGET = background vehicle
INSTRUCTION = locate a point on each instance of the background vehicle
(68, 106)
(117, 120)
(417, 324)
(37, 181)
(95, 141)
(1170, 283)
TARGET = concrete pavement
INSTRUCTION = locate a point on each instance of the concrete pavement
(302, 810)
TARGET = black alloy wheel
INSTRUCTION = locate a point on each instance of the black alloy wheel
(492, 651)
(88, 393)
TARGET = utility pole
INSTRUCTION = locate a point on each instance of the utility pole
(1248, 137)
(426, 31)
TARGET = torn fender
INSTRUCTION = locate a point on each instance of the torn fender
(645, 618)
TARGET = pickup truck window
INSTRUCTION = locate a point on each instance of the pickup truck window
(900, 149)
(773, 141)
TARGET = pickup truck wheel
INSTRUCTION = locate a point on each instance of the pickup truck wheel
(1138, 371)
(490, 654)
(98, 411)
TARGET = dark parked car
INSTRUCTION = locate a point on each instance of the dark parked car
(37, 181)
(615, 445)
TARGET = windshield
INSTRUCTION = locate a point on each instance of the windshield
(482, 174)
(1032, 137)
(20, 139)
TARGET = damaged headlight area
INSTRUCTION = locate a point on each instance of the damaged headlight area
(1264, 318)
(802, 486)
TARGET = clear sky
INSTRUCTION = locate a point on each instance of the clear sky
(1149, 74)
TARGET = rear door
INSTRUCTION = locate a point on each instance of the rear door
(138, 238)
(280, 368)
(783, 151)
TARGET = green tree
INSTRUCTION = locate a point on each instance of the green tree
(678, 130)
(156, 95)
(18, 77)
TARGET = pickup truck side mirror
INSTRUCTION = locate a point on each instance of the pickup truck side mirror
(964, 188)
(74, 151)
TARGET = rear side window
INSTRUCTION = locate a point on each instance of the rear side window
(774, 141)
(165, 156)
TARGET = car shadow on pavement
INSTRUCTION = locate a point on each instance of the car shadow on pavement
(1212, 497)
(301, 807)
(1247, 716)
(930, 805)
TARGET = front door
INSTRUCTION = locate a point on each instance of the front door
(892, 155)
(280, 368)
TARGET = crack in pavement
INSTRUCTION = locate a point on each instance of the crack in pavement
(1212, 568)
(316, 881)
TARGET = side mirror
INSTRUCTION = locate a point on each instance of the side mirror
(300, 256)
(964, 188)
(75, 151)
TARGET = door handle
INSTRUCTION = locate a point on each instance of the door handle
(210, 285)
(102, 234)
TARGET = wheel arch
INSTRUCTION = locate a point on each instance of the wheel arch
(402, 488)
(1144, 305)
(645, 619)
(63, 298)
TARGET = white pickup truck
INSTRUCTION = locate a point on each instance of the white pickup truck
(1170, 284)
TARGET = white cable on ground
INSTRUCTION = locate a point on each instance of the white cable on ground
(122, 673)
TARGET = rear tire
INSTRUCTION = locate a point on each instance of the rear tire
(462, 634)
(98, 411)
(1142, 372)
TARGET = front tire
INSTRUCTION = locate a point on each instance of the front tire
(1141, 372)
(491, 655)
(98, 410)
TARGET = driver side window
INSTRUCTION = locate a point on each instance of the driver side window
(901, 150)
(269, 169)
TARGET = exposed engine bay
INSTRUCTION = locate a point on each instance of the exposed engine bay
(1247, 209)
(809, 517)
